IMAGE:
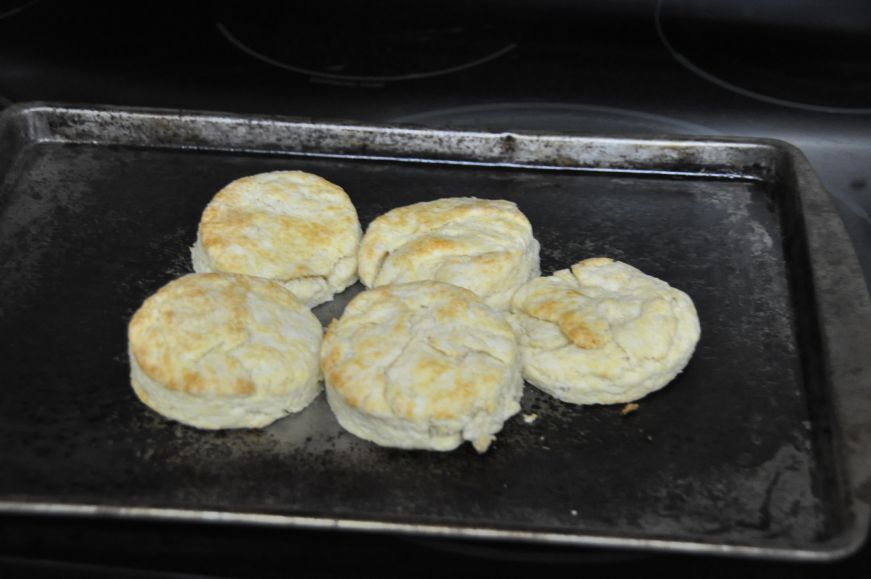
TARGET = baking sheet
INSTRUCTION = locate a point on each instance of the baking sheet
(756, 449)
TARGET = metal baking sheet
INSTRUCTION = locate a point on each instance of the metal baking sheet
(760, 448)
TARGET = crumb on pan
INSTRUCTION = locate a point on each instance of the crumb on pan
(530, 418)
(482, 443)
(629, 408)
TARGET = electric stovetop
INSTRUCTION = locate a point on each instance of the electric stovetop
(643, 68)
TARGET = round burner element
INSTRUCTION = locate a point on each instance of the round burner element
(588, 119)
(803, 54)
(10, 9)
(364, 42)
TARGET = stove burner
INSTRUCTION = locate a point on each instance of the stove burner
(588, 119)
(9, 9)
(365, 42)
(810, 57)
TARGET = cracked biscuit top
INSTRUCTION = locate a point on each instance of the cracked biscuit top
(483, 245)
(220, 350)
(603, 332)
(289, 226)
(422, 365)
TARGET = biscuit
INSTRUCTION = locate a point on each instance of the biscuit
(482, 245)
(603, 332)
(289, 226)
(422, 365)
(224, 351)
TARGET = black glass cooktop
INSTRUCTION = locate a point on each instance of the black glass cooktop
(799, 72)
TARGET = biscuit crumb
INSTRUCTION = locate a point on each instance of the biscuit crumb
(482, 443)
(629, 408)
(530, 418)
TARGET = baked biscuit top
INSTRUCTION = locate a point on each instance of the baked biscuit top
(483, 245)
(281, 225)
(603, 332)
(225, 335)
(421, 351)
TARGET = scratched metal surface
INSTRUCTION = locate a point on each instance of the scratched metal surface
(737, 455)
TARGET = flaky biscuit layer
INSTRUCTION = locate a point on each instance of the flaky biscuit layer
(224, 351)
(289, 226)
(422, 365)
(483, 245)
(603, 332)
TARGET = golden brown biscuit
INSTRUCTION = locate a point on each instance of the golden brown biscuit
(224, 351)
(480, 244)
(422, 365)
(603, 332)
(289, 226)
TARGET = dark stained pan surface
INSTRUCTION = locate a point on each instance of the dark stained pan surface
(756, 449)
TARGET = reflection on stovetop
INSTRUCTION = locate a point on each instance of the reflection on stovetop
(639, 67)
(819, 62)
(387, 43)
(562, 117)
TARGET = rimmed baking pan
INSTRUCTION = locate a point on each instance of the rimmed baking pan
(759, 448)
